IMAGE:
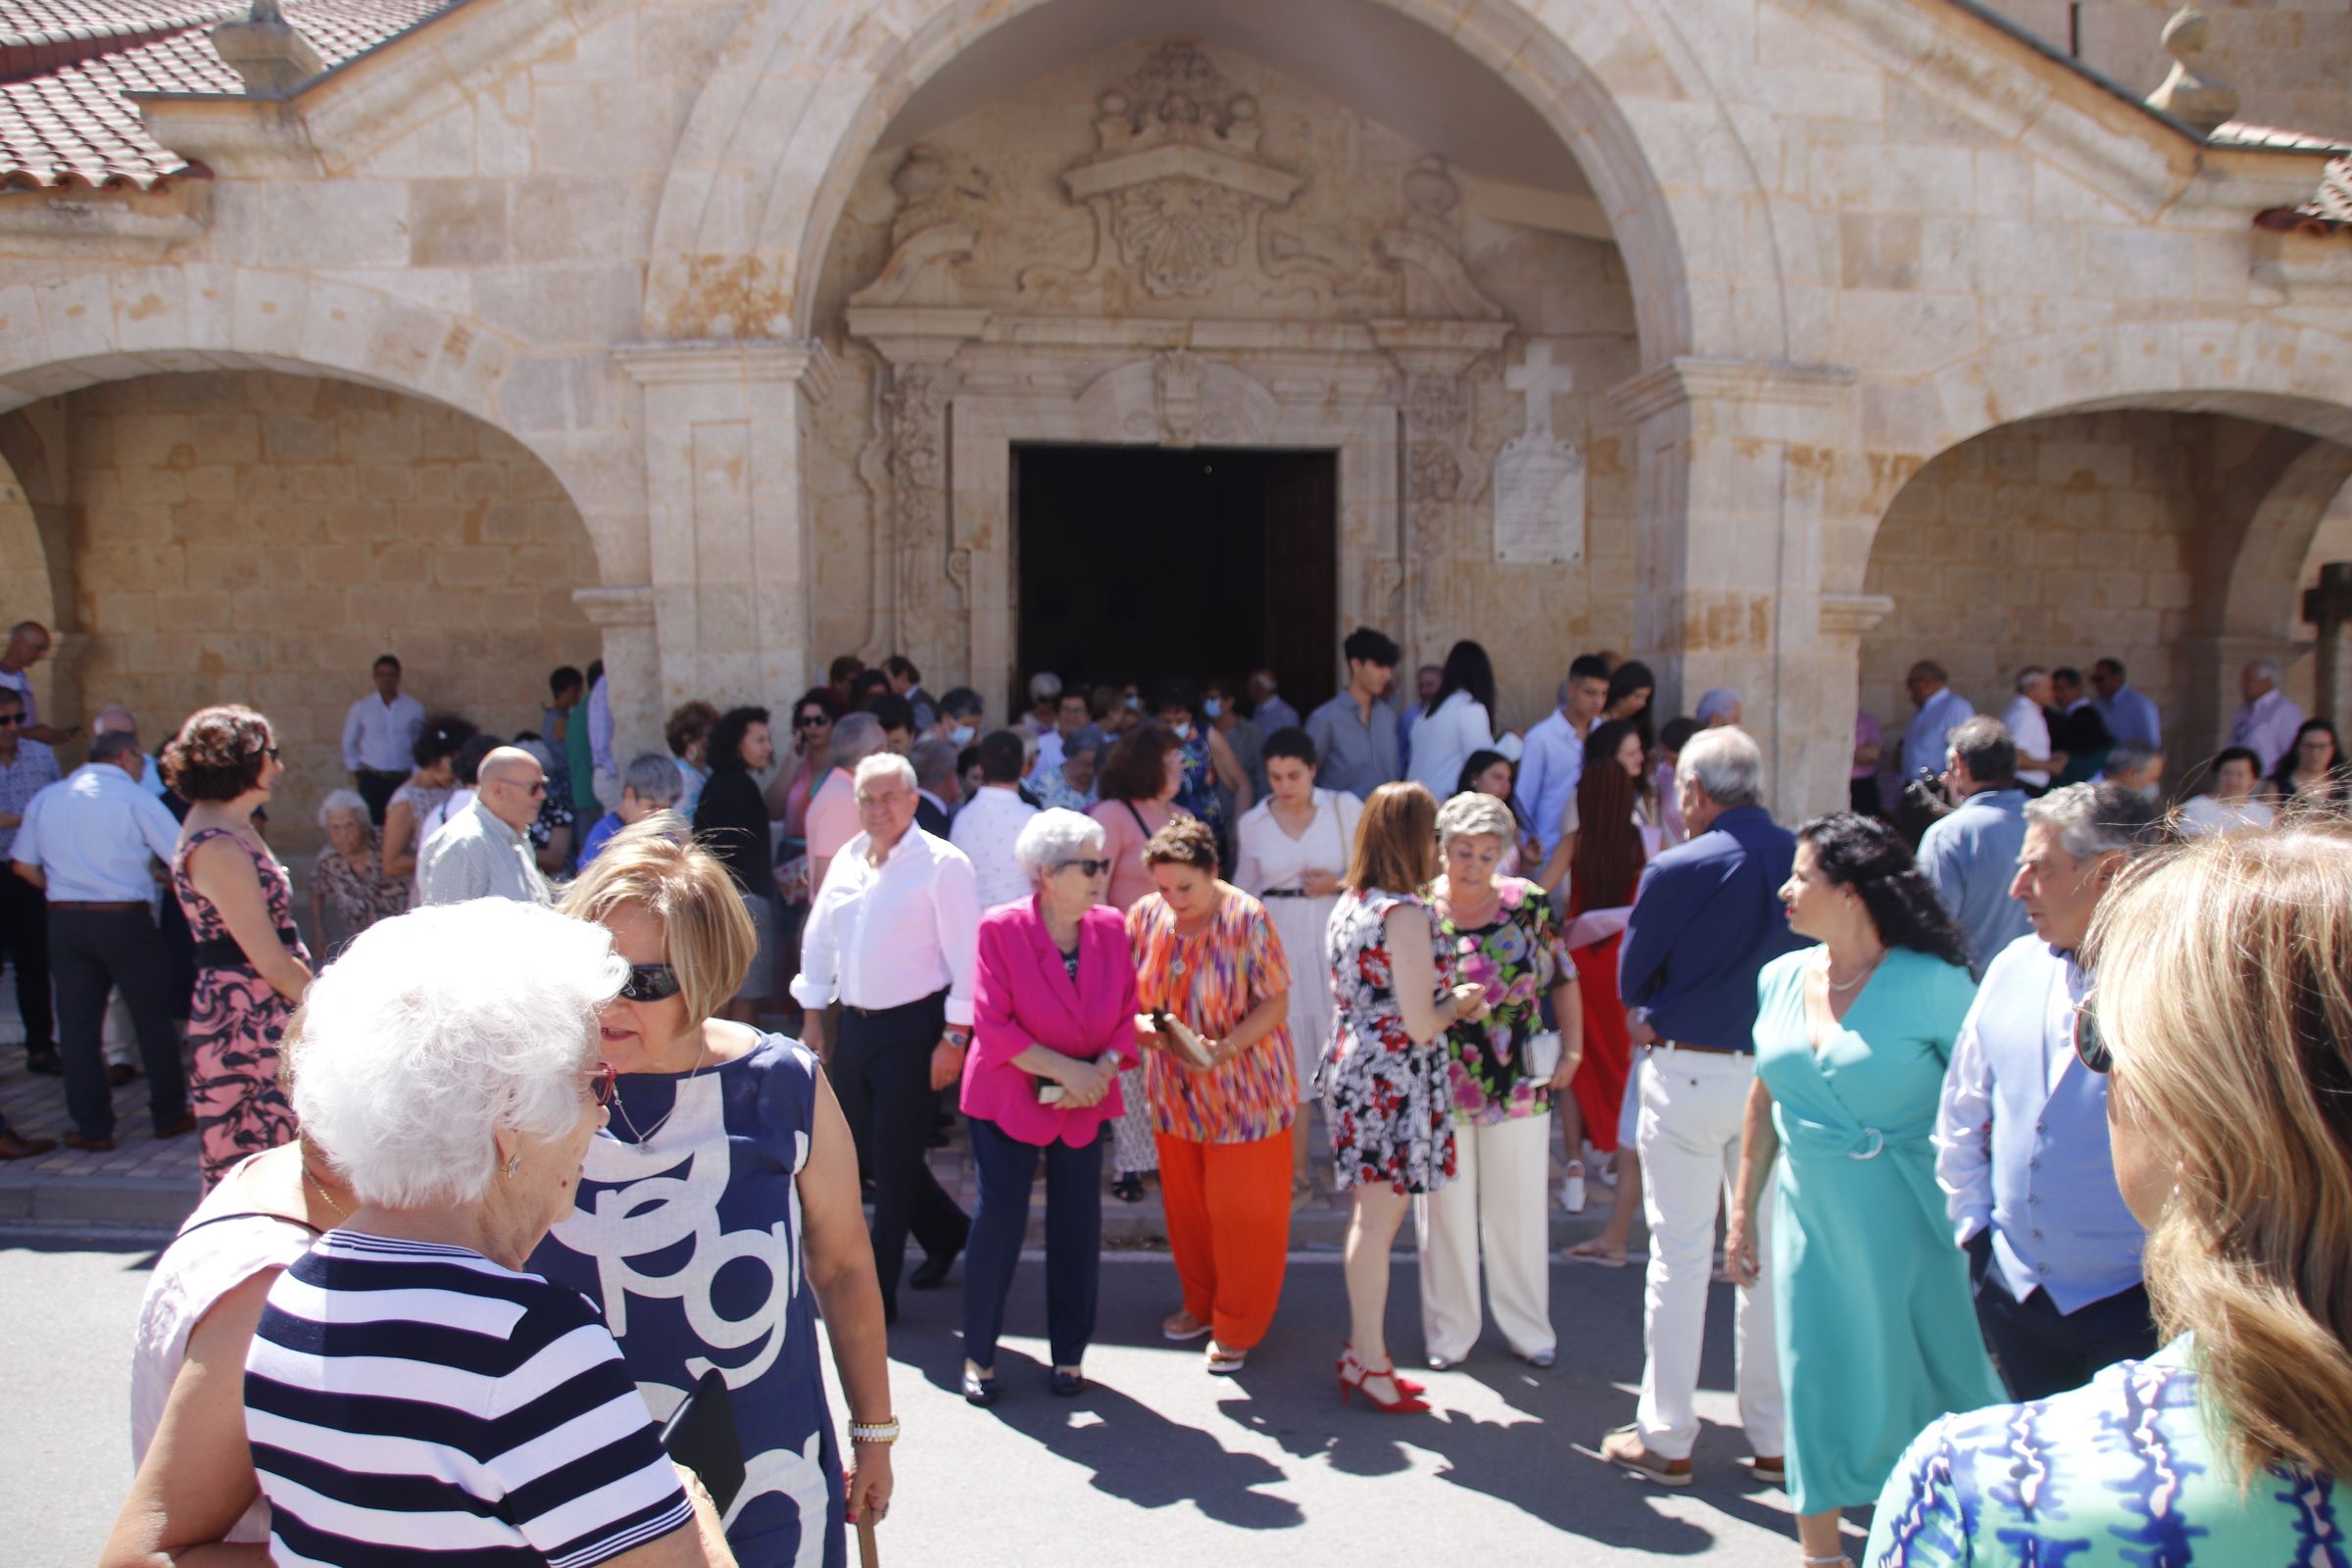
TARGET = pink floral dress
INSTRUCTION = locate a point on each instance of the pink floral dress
(1392, 1106)
(234, 1022)
(1518, 957)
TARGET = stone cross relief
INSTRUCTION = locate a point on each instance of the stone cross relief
(1539, 478)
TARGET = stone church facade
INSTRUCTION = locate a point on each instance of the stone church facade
(1776, 342)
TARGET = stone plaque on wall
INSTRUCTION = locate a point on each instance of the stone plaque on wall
(1540, 502)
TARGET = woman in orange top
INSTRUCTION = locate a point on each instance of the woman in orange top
(1206, 955)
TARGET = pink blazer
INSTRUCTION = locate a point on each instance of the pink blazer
(1022, 996)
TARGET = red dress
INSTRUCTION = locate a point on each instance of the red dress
(1599, 1082)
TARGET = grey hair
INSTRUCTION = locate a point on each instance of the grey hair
(855, 737)
(884, 765)
(112, 712)
(1724, 764)
(1985, 746)
(437, 1029)
(341, 800)
(1044, 684)
(933, 760)
(1473, 813)
(2269, 667)
(2125, 756)
(1718, 701)
(2028, 675)
(655, 776)
(2090, 820)
(114, 745)
(1056, 835)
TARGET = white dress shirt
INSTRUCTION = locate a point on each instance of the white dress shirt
(2205, 814)
(93, 834)
(2030, 727)
(882, 936)
(985, 830)
(381, 737)
(1549, 766)
(2266, 727)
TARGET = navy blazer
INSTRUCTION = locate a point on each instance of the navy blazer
(1705, 921)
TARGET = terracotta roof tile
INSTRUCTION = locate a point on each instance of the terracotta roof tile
(65, 67)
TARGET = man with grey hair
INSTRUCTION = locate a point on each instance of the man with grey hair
(833, 809)
(934, 762)
(1971, 854)
(649, 784)
(2021, 1139)
(892, 935)
(2029, 728)
(484, 852)
(115, 718)
(1706, 918)
(1940, 711)
(2267, 720)
(2138, 767)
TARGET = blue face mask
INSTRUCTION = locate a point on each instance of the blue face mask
(961, 735)
(1212, 706)
(1181, 731)
(1136, 703)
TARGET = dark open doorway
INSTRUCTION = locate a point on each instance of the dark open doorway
(1137, 563)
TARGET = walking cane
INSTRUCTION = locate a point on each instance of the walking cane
(869, 1555)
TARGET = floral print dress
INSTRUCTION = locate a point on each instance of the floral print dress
(1392, 1104)
(234, 1023)
(1518, 957)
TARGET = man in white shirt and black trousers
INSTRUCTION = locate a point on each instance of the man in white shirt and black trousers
(892, 935)
(379, 738)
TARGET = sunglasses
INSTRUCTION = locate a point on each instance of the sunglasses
(273, 754)
(809, 722)
(604, 1082)
(650, 982)
(2089, 1047)
(10, 720)
(1090, 867)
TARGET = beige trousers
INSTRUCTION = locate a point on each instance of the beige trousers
(1495, 1205)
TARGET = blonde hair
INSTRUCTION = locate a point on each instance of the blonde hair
(1395, 841)
(2225, 993)
(656, 865)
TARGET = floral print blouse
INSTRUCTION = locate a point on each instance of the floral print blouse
(1212, 982)
(1518, 957)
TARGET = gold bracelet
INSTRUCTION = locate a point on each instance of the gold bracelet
(882, 1431)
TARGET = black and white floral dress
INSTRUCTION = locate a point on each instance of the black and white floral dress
(1392, 1109)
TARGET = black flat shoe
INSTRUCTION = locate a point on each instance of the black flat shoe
(48, 1063)
(1128, 1189)
(1068, 1383)
(932, 1272)
(983, 1391)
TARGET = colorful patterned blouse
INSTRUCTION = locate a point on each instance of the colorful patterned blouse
(1518, 957)
(2120, 1473)
(1212, 982)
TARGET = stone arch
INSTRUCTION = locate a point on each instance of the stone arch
(1625, 95)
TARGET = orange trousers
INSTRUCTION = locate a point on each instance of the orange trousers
(1229, 1229)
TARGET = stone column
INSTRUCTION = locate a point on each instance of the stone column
(625, 617)
(726, 432)
(1733, 457)
(1435, 357)
(2328, 606)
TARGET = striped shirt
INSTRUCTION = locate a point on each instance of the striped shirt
(416, 1403)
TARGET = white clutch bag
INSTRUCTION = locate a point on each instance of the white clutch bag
(1543, 1056)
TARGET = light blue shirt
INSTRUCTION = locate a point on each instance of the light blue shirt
(2130, 715)
(1276, 715)
(2021, 1138)
(1971, 856)
(93, 833)
(1549, 765)
(1924, 742)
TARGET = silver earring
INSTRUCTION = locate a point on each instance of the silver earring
(514, 1164)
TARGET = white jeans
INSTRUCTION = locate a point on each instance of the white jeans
(1495, 1203)
(1691, 1105)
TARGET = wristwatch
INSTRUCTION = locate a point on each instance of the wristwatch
(958, 1036)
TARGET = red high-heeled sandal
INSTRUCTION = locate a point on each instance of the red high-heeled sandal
(1403, 1404)
(1405, 1385)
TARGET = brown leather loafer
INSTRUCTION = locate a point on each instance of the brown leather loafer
(89, 1145)
(1624, 1447)
(120, 1073)
(180, 1128)
(13, 1148)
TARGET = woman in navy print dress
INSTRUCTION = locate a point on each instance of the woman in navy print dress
(718, 1213)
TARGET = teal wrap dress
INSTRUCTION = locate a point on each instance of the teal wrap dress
(1876, 1331)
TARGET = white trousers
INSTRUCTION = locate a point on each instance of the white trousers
(1688, 1137)
(1495, 1205)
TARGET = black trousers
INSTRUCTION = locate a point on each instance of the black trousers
(90, 950)
(24, 945)
(882, 1076)
(376, 790)
(1008, 1172)
(2040, 1350)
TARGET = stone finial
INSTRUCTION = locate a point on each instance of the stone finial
(2187, 94)
(268, 51)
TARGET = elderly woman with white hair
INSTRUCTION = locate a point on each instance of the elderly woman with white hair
(347, 879)
(1053, 1018)
(450, 1063)
(1502, 1070)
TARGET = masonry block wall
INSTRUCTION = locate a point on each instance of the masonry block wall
(2050, 542)
(258, 537)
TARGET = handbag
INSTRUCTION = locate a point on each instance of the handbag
(1543, 1056)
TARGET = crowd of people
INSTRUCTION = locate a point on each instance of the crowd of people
(1975, 1184)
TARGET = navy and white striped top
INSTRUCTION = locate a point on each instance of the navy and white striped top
(416, 1403)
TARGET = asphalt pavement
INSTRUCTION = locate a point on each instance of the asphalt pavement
(1158, 1463)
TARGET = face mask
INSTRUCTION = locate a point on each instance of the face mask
(1213, 708)
(1182, 732)
(1136, 703)
(961, 735)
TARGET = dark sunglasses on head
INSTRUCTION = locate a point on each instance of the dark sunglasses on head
(604, 1080)
(650, 982)
(2090, 1045)
(1090, 867)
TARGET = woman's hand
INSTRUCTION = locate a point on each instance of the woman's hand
(1740, 1250)
(1083, 1084)
(1318, 883)
(1146, 1034)
(1571, 1058)
(1470, 1004)
(869, 1483)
